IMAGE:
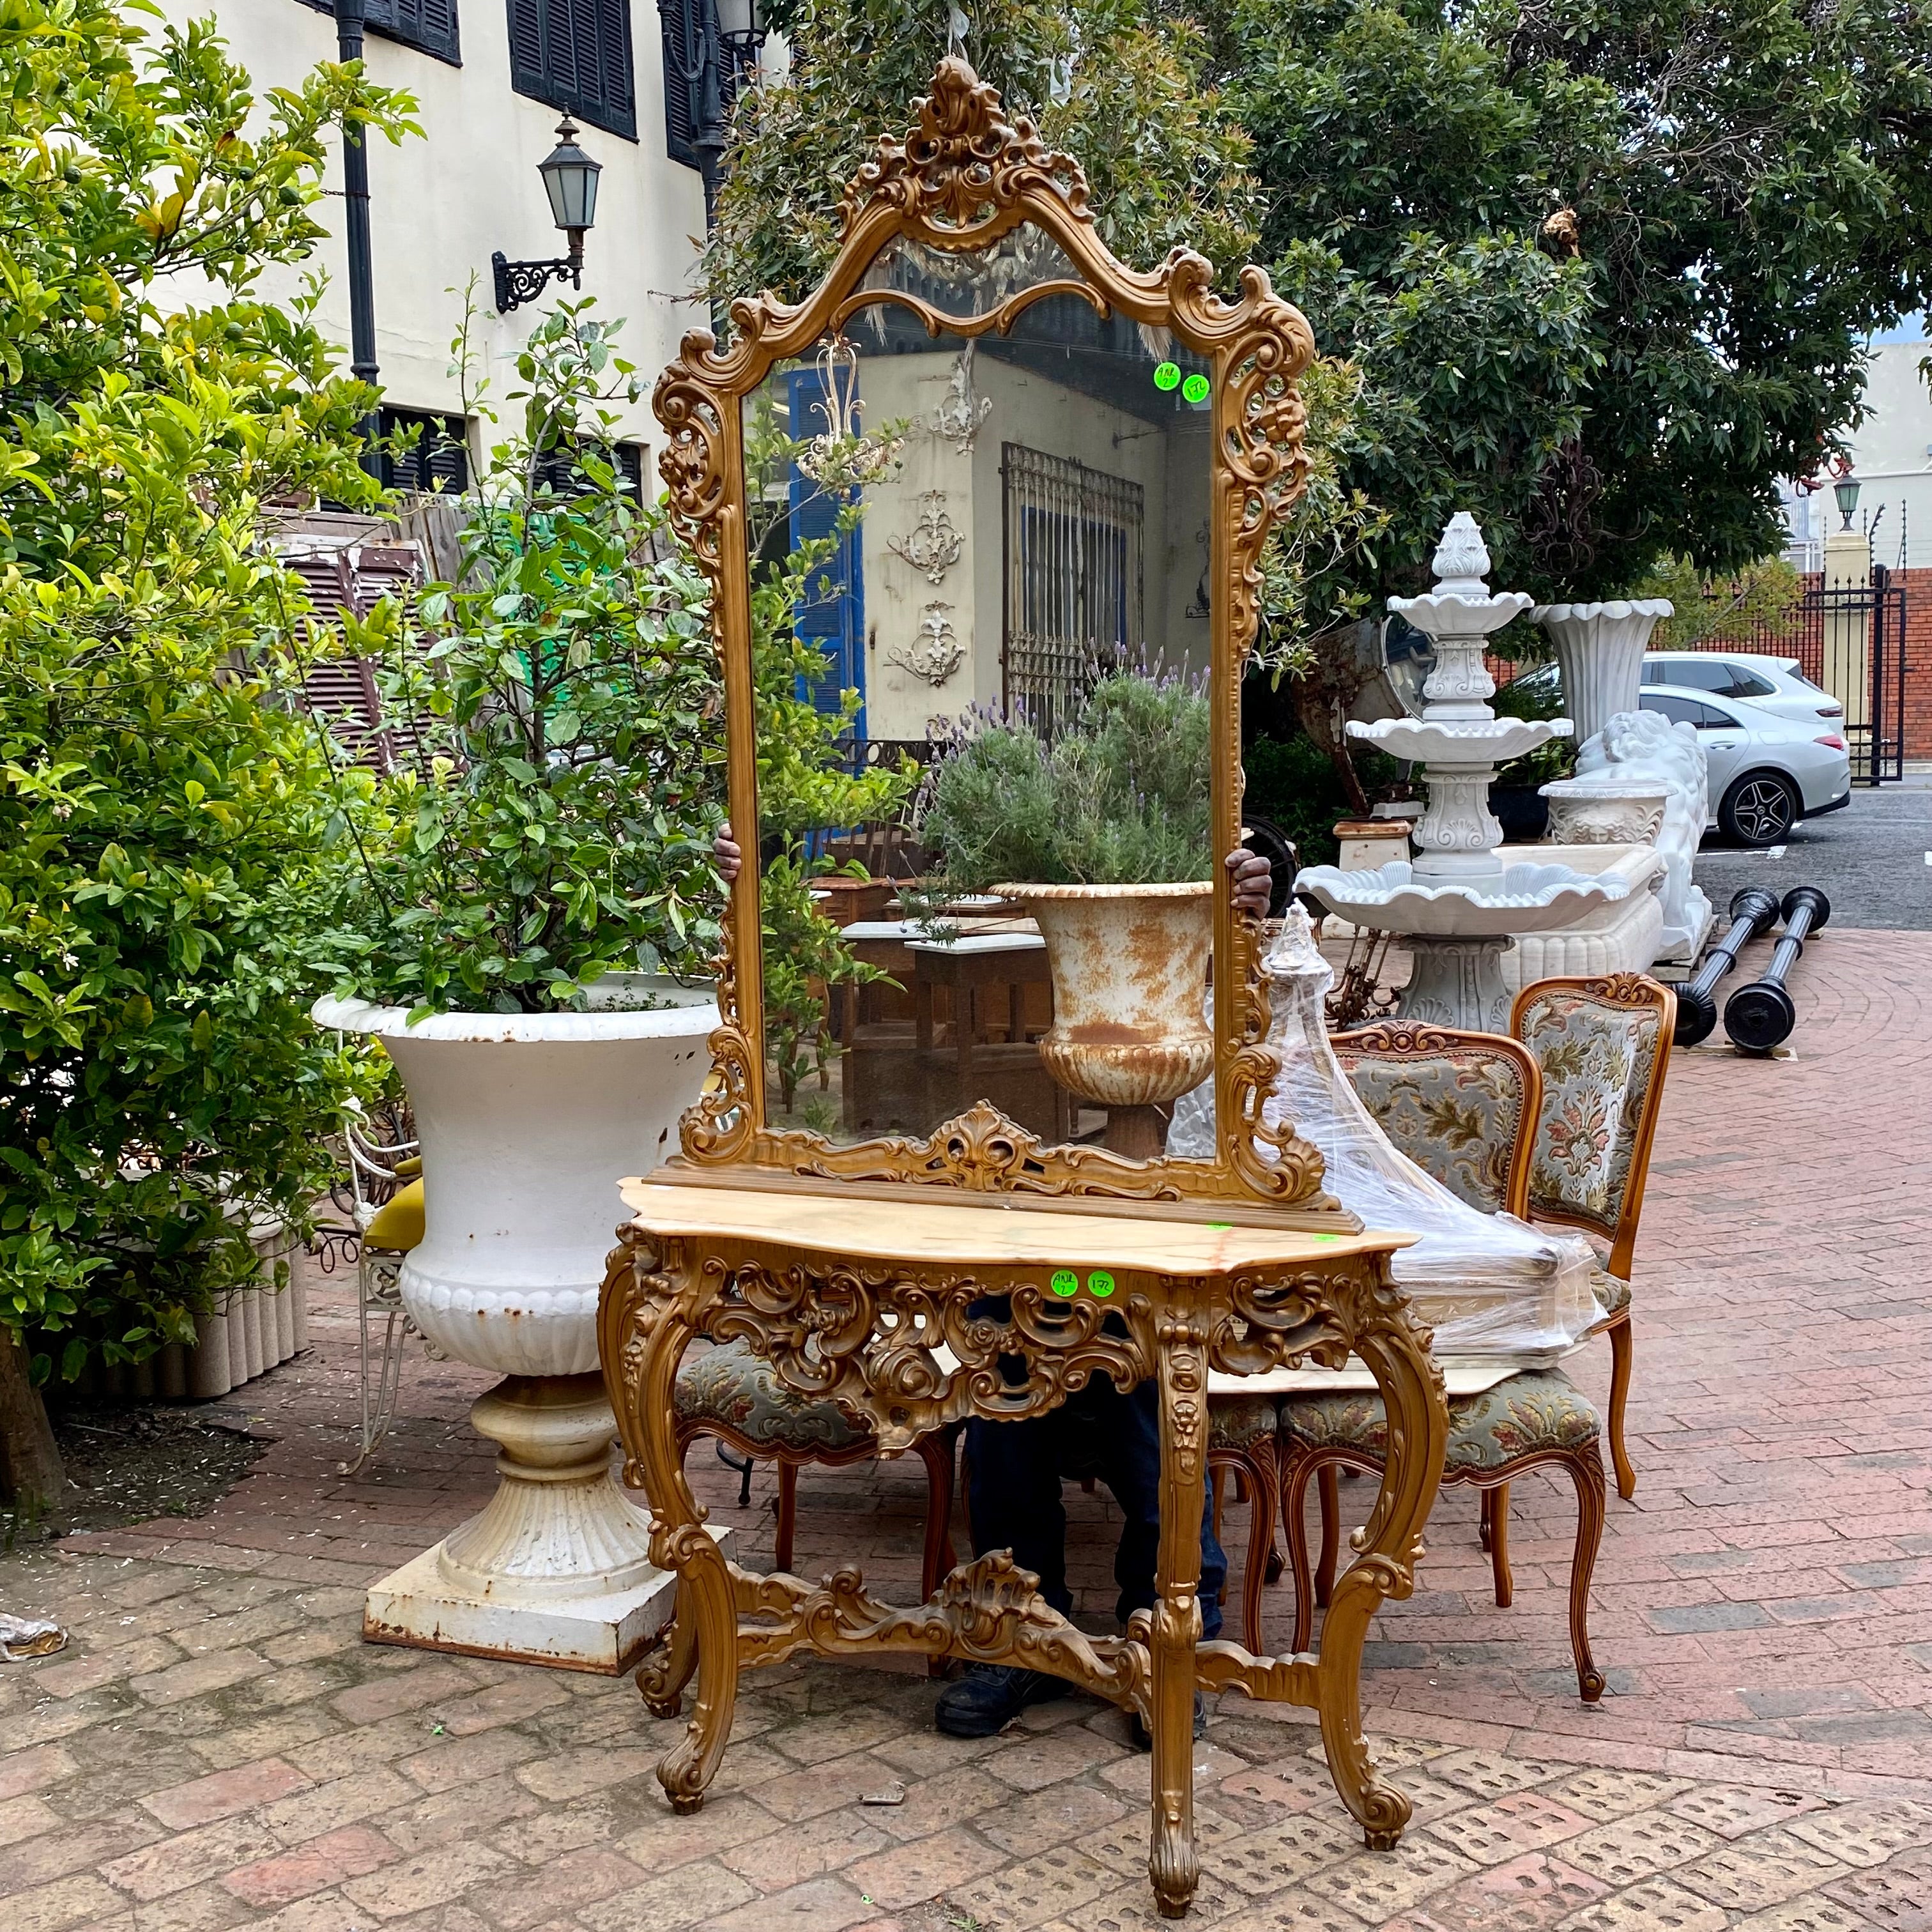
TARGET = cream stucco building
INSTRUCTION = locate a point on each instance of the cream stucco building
(491, 83)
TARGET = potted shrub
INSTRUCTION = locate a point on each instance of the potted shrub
(1102, 834)
(525, 930)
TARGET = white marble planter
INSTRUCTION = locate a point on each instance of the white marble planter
(527, 1123)
(1622, 935)
(1600, 647)
(1586, 812)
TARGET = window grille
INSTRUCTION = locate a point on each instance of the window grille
(429, 25)
(1075, 581)
(576, 56)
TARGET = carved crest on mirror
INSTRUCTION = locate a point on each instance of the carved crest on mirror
(967, 185)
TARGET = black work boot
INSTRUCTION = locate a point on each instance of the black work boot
(990, 1696)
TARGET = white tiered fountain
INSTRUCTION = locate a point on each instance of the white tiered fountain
(1458, 906)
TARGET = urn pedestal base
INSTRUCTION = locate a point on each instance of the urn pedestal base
(555, 1569)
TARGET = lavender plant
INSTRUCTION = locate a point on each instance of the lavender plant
(1119, 797)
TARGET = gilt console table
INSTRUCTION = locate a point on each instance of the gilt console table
(913, 1312)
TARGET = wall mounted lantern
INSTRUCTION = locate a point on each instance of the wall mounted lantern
(570, 180)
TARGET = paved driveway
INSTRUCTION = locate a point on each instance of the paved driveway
(1870, 860)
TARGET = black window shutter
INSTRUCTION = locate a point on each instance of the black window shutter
(576, 55)
(526, 47)
(680, 18)
(428, 24)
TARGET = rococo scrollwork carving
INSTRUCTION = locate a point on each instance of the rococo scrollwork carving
(963, 177)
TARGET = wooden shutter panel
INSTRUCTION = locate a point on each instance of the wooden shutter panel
(576, 55)
(430, 24)
(342, 692)
(614, 43)
(439, 31)
(527, 48)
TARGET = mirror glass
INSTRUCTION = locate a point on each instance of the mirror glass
(981, 639)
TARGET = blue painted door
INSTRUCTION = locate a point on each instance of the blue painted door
(831, 614)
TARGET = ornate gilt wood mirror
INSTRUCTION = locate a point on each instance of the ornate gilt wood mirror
(994, 462)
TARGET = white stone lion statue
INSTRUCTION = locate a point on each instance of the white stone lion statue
(1644, 745)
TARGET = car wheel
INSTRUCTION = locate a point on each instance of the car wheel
(1759, 809)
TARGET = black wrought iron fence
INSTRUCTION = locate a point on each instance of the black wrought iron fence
(1850, 640)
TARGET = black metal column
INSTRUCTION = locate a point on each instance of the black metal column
(349, 15)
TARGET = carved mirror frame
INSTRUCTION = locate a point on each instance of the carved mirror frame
(963, 177)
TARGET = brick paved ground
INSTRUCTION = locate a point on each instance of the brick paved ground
(217, 1748)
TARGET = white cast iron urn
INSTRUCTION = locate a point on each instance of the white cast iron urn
(527, 1123)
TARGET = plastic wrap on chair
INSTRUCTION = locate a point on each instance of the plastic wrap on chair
(1489, 1285)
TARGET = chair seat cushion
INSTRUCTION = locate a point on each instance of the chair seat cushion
(1538, 1409)
(1613, 1295)
(398, 1225)
(729, 1387)
(1240, 1421)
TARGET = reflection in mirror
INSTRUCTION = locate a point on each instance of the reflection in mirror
(980, 592)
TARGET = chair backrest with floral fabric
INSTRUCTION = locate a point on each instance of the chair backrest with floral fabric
(1602, 1046)
(1462, 1106)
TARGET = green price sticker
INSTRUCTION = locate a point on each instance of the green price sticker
(1324, 1238)
(1196, 388)
(1065, 1282)
(1167, 376)
(1100, 1283)
(1219, 1227)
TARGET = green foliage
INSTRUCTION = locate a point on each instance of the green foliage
(1292, 780)
(163, 826)
(1535, 697)
(1119, 798)
(1748, 192)
(1118, 84)
(554, 823)
(1710, 608)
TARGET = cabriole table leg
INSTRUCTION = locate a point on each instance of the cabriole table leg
(1173, 1864)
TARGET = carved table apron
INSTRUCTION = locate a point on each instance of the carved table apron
(849, 1296)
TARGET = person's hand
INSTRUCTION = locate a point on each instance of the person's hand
(1251, 879)
(725, 849)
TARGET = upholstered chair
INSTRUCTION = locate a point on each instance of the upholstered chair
(1602, 1046)
(1464, 1107)
(1537, 1417)
(729, 1393)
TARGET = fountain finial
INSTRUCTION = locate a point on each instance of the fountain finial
(1461, 559)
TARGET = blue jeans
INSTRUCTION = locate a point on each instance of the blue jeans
(1014, 1471)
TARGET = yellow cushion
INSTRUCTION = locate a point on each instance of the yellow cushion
(398, 1222)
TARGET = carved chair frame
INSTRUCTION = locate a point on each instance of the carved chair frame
(964, 177)
(1316, 1590)
(1635, 991)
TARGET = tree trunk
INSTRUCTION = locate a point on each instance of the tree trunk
(30, 1461)
(1324, 695)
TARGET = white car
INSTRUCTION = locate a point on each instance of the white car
(1775, 757)
(1774, 684)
